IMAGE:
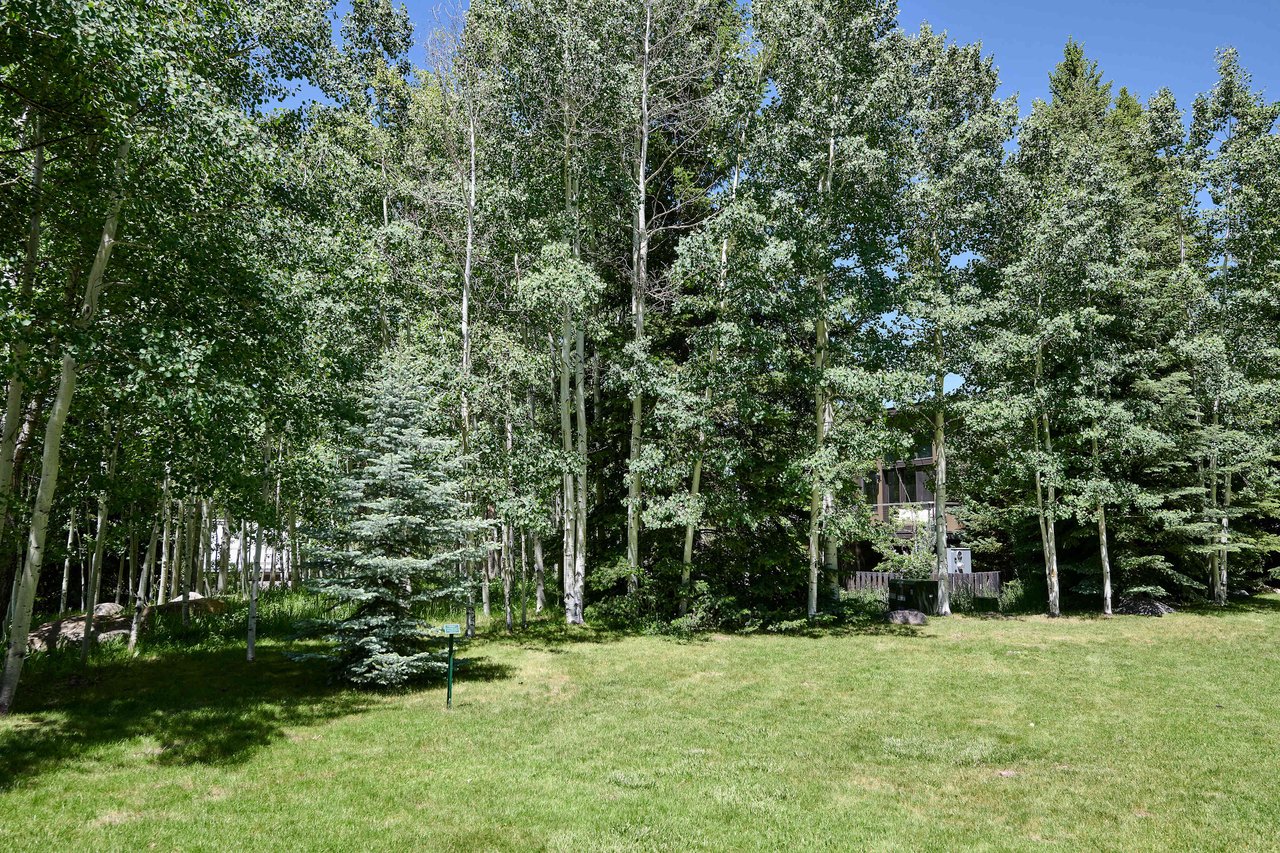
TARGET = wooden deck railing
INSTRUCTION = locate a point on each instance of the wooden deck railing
(979, 584)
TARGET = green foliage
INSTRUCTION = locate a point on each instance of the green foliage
(407, 531)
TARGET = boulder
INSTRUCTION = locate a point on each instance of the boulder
(108, 610)
(907, 617)
(197, 605)
(70, 631)
(115, 636)
(1142, 606)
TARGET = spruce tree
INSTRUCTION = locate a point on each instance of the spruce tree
(405, 534)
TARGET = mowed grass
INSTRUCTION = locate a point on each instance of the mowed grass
(1074, 734)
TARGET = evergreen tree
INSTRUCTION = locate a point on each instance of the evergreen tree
(405, 531)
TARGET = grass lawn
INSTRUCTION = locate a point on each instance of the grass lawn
(1132, 734)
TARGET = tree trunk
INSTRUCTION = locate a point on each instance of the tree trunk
(580, 546)
(66, 564)
(690, 528)
(568, 587)
(816, 495)
(639, 287)
(242, 558)
(186, 568)
(166, 555)
(24, 600)
(254, 580)
(1051, 543)
(539, 575)
(224, 553)
(1105, 556)
(95, 575)
(524, 579)
(508, 572)
(1224, 540)
(140, 600)
(940, 499)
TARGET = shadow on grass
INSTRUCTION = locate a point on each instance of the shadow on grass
(552, 636)
(1267, 603)
(200, 706)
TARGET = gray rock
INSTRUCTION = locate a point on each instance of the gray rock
(108, 610)
(1142, 606)
(907, 617)
(118, 636)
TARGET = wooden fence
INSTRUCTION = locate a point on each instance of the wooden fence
(979, 584)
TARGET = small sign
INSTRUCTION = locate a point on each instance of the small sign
(451, 629)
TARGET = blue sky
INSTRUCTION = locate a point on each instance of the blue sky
(1142, 44)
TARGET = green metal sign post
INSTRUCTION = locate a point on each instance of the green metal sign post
(451, 631)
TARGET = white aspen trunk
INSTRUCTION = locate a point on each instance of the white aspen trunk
(1050, 520)
(580, 544)
(24, 599)
(484, 583)
(133, 559)
(177, 557)
(295, 572)
(524, 579)
(1105, 556)
(568, 562)
(242, 559)
(204, 551)
(940, 498)
(190, 514)
(1215, 577)
(539, 575)
(816, 495)
(140, 600)
(639, 286)
(818, 498)
(1224, 541)
(467, 261)
(165, 554)
(66, 563)
(224, 553)
(1045, 509)
(252, 633)
(95, 576)
(507, 577)
(686, 565)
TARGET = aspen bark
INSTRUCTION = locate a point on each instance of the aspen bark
(224, 553)
(66, 563)
(165, 554)
(24, 600)
(95, 576)
(569, 562)
(539, 575)
(1105, 556)
(295, 576)
(1224, 540)
(940, 497)
(256, 578)
(580, 544)
(816, 495)
(640, 283)
(524, 579)
(191, 557)
(140, 600)
(686, 565)
(507, 576)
